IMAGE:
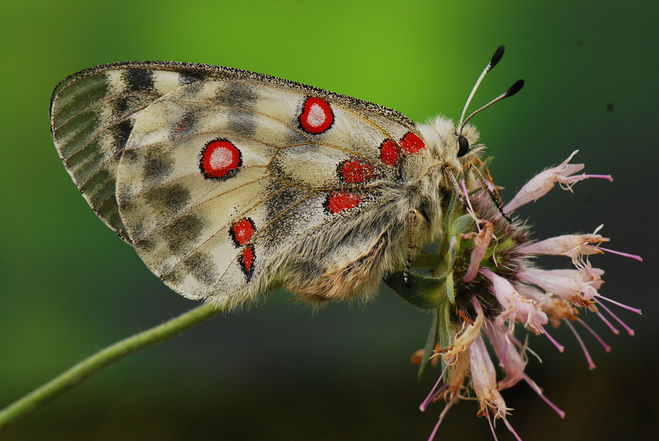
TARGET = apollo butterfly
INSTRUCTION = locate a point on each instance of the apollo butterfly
(223, 180)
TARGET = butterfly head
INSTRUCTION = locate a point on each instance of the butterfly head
(449, 148)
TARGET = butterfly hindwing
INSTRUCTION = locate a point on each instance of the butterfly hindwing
(225, 173)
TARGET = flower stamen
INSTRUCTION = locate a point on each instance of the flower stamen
(629, 330)
(591, 364)
(428, 399)
(510, 428)
(620, 253)
(559, 346)
(441, 417)
(622, 305)
(489, 422)
(608, 323)
(537, 389)
(601, 341)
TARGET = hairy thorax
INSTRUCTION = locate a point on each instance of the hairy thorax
(349, 259)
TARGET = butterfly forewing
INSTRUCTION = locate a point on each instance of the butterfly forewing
(217, 175)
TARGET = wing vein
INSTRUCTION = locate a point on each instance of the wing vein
(217, 231)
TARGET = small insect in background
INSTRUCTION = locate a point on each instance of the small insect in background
(225, 181)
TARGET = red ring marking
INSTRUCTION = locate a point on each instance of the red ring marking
(220, 159)
(411, 143)
(246, 260)
(316, 116)
(242, 231)
(355, 171)
(339, 201)
(389, 152)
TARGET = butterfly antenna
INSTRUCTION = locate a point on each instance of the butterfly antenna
(512, 90)
(493, 62)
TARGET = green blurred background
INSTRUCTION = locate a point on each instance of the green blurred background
(278, 370)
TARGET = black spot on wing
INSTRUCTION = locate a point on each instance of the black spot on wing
(138, 80)
(121, 105)
(181, 234)
(158, 164)
(121, 133)
(184, 126)
(279, 202)
(127, 104)
(145, 245)
(238, 95)
(130, 156)
(189, 77)
(294, 137)
(175, 276)
(242, 123)
(241, 97)
(202, 268)
(285, 214)
(168, 200)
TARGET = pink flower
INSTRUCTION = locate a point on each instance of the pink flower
(544, 181)
(574, 246)
(484, 380)
(575, 286)
(515, 307)
(492, 285)
(509, 359)
(556, 308)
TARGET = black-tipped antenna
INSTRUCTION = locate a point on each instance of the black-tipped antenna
(512, 90)
(493, 62)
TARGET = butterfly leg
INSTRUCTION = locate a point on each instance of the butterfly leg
(494, 195)
(411, 243)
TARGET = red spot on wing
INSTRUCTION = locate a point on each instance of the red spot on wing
(242, 231)
(246, 261)
(317, 116)
(339, 201)
(355, 171)
(220, 159)
(411, 143)
(389, 152)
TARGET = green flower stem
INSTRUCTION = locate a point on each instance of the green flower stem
(104, 357)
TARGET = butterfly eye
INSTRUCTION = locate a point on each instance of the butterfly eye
(463, 146)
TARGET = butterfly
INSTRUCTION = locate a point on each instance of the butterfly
(225, 181)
